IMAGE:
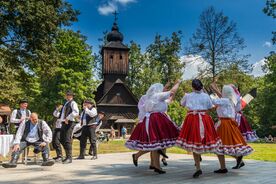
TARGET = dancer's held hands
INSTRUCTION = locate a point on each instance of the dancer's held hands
(15, 148)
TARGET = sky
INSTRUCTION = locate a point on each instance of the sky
(141, 20)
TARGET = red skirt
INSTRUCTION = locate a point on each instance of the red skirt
(248, 134)
(190, 138)
(162, 133)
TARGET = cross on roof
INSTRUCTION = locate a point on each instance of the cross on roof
(115, 13)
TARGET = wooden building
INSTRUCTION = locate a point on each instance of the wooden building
(113, 96)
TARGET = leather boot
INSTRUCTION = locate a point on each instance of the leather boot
(46, 161)
(13, 162)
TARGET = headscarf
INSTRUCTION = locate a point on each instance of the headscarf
(229, 92)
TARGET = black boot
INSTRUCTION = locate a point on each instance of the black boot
(46, 161)
(67, 160)
(161, 152)
(239, 163)
(13, 162)
(197, 173)
(81, 155)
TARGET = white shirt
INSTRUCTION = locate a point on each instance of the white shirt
(23, 113)
(72, 115)
(56, 114)
(225, 108)
(157, 102)
(47, 134)
(91, 113)
(197, 101)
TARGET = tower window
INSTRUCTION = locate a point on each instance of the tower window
(121, 57)
(111, 56)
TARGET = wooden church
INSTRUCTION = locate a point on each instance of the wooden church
(113, 96)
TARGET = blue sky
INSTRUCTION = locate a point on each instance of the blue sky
(141, 20)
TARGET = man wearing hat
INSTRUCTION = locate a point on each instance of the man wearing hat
(21, 114)
(67, 117)
(89, 125)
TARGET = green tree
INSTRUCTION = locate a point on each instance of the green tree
(27, 31)
(270, 10)
(217, 41)
(74, 71)
(163, 55)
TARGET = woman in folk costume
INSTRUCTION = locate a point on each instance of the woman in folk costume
(156, 131)
(233, 144)
(248, 134)
(198, 134)
(141, 116)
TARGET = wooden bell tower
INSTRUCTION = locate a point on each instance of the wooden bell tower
(115, 57)
(113, 96)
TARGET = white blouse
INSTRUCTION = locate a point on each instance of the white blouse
(157, 102)
(197, 101)
(225, 108)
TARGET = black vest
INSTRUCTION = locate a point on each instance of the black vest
(67, 109)
(89, 119)
(28, 127)
(19, 115)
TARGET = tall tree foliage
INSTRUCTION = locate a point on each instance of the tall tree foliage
(217, 41)
(163, 55)
(27, 31)
(74, 71)
(270, 10)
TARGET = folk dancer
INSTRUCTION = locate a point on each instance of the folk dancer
(156, 131)
(21, 114)
(56, 135)
(198, 134)
(233, 143)
(89, 125)
(67, 117)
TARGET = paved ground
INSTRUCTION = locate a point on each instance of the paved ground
(118, 168)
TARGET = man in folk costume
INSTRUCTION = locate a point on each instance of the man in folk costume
(67, 117)
(21, 114)
(89, 125)
(33, 132)
(56, 135)
(233, 143)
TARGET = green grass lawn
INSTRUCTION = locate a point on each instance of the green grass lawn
(263, 151)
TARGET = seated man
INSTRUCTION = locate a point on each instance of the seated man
(33, 132)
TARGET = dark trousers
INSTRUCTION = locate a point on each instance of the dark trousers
(56, 142)
(90, 133)
(66, 137)
(37, 149)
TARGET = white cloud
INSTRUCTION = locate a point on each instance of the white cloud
(112, 6)
(125, 2)
(267, 44)
(193, 66)
(108, 8)
(257, 70)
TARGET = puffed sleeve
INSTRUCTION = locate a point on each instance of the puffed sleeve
(47, 132)
(184, 100)
(163, 95)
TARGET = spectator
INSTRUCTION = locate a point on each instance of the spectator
(124, 132)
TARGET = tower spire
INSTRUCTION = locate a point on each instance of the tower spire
(115, 13)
